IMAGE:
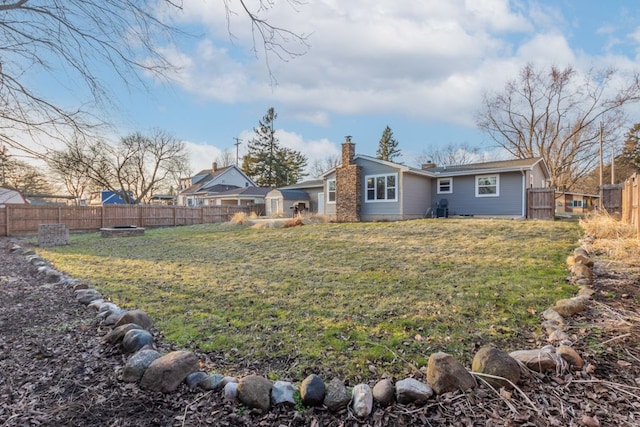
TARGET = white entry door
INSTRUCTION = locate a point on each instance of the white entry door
(321, 203)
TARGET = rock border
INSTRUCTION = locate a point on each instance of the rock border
(130, 334)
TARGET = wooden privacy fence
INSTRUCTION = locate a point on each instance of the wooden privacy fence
(541, 203)
(18, 220)
(630, 196)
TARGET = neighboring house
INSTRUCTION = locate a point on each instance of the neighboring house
(239, 196)
(282, 202)
(108, 197)
(365, 188)
(195, 191)
(10, 196)
(576, 203)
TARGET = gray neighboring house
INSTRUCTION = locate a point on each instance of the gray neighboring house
(241, 196)
(365, 188)
(11, 196)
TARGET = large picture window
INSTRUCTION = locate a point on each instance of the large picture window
(382, 188)
(445, 185)
(331, 191)
(488, 186)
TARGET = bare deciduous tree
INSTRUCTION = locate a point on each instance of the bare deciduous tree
(87, 42)
(137, 168)
(452, 154)
(319, 167)
(558, 115)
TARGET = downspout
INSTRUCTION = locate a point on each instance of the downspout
(524, 193)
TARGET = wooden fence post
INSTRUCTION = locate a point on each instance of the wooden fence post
(7, 218)
(102, 216)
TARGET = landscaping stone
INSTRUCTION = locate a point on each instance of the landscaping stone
(136, 339)
(137, 364)
(86, 296)
(551, 314)
(282, 392)
(383, 392)
(586, 291)
(95, 304)
(138, 317)
(411, 390)
(194, 379)
(312, 390)
(582, 271)
(337, 396)
(255, 392)
(570, 306)
(445, 374)
(362, 400)
(116, 335)
(213, 382)
(570, 356)
(537, 360)
(231, 392)
(493, 361)
(167, 372)
(113, 317)
(52, 276)
(558, 336)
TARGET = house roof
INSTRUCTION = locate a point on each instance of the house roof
(312, 183)
(292, 194)
(10, 195)
(498, 166)
(243, 192)
(204, 178)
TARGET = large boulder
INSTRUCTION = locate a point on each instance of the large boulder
(337, 397)
(539, 360)
(446, 374)
(116, 335)
(255, 392)
(570, 306)
(411, 390)
(312, 390)
(167, 372)
(384, 391)
(362, 400)
(136, 339)
(495, 362)
(138, 317)
(137, 364)
(282, 392)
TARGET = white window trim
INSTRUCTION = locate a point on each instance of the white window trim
(385, 200)
(497, 193)
(450, 185)
(328, 201)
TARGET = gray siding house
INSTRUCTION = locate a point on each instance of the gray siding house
(365, 188)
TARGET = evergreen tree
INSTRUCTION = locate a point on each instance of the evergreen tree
(267, 162)
(388, 146)
(631, 150)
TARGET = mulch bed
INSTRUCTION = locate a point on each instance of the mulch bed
(55, 370)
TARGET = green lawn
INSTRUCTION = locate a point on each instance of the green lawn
(334, 298)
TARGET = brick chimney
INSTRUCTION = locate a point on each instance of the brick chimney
(214, 166)
(348, 185)
(429, 165)
(348, 151)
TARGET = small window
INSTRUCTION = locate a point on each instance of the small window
(381, 188)
(577, 203)
(488, 186)
(331, 191)
(445, 185)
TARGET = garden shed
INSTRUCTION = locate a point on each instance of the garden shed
(281, 202)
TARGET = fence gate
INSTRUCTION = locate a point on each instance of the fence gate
(541, 203)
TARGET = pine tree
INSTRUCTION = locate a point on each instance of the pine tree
(267, 162)
(388, 146)
(631, 150)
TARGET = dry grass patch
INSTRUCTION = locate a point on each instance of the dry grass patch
(335, 298)
(619, 241)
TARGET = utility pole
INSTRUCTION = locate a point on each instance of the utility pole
(237, 144)
(601, 160)
(613, 165)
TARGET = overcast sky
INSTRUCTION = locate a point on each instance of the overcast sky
(418, 66)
